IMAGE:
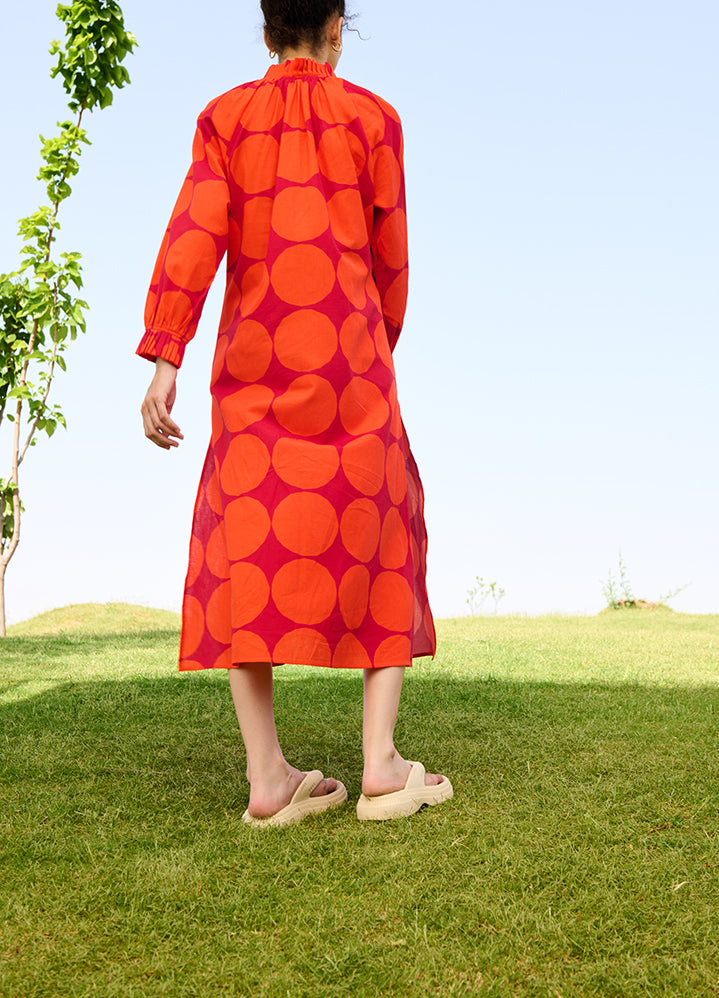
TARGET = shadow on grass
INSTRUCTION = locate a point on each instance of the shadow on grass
(577, 857)
(182, 729)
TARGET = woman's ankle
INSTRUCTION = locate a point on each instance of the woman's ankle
(384, 774)
(271, 790)
(267, 773)
(379, 758)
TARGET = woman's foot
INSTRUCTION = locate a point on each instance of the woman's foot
(271, 794)
(418, 791)
(386, 776)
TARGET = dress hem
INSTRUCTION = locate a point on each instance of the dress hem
(316, 665)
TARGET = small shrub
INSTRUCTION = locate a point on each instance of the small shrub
(618, 593)
(478, 595)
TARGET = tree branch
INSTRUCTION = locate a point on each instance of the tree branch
(43, 401)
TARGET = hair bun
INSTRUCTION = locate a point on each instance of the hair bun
(290, 23)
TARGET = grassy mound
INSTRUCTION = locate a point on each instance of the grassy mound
(97, 618)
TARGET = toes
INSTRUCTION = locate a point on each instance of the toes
(324, 787)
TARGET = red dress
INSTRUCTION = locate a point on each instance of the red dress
(308, 540)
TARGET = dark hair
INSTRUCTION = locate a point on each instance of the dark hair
(290, 23)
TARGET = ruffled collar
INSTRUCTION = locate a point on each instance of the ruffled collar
(299, 67)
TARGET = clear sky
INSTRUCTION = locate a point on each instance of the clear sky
(558, 366)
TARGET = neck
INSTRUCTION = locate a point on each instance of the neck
(326, 53)
(304, 53)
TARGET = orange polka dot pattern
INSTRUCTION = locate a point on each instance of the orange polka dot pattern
(308, 540)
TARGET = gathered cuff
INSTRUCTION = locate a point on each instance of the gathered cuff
(163, 345)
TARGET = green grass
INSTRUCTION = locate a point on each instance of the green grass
(579, 856)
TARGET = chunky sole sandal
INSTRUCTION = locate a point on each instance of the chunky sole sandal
(301, 805)
(402, 803)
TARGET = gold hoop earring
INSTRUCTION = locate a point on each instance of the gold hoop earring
(336, 47)
(272, 53)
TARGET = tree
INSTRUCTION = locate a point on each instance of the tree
(39, 315)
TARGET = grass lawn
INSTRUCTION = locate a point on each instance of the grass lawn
(579, 857)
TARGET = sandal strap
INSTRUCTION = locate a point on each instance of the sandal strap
(304, 790)
(416, 776)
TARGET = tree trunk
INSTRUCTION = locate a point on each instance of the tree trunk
(11, 547)
(3, 566)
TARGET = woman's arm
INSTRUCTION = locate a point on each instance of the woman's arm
(157, 406)
(389, 233)
(192, 249)
(194, 244)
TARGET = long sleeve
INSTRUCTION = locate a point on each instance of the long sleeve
(389, 235)
(194, 245)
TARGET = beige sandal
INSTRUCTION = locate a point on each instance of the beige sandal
(402, 803)
(301, 804)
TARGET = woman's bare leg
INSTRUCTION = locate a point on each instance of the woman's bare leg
(272, 780)
(384, 768)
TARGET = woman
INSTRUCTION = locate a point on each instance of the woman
(308, 541)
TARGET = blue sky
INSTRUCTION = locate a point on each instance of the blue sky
(558, 366)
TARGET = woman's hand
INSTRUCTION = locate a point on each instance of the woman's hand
(158, 405)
